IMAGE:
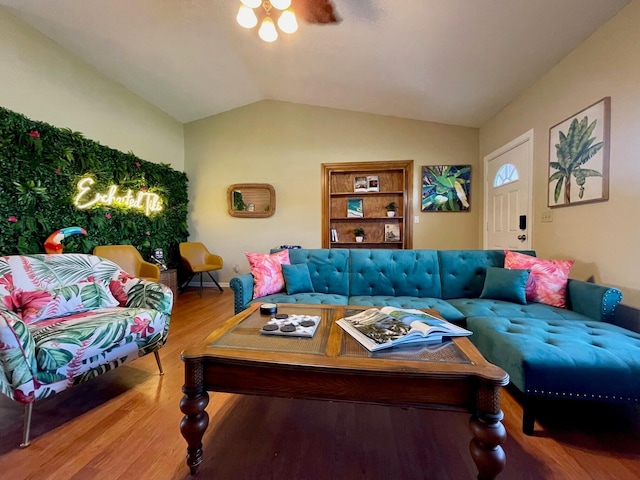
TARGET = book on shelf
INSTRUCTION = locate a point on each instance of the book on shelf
(334, 235)
(360, 184)
(354, 207)
(377, 329)
(392, 232)
(372, 183)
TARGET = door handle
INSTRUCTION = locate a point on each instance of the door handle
(522, 238)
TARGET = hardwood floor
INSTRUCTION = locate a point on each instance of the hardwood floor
(125, 424)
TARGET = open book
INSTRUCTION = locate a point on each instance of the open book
(388, 327)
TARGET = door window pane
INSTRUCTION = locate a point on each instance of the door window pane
(507, 174)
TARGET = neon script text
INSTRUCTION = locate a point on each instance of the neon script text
(147, 201)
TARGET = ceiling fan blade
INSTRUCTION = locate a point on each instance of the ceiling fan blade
(316, 11)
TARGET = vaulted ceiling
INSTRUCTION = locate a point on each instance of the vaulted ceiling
(451, 61)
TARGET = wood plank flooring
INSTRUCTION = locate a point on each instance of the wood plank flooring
(126, 425)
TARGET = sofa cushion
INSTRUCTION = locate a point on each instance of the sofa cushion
(564, 358)
(40, 305)
(315, 298)
(297, 278)
(328, 268)
(267, 272)
(401, 273)
(444, 308)
(463, 272)
(548, 279)
(480, 307)
(505, 284)
(70, 345)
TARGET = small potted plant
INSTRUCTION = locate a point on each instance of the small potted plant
(359, 233)
(391, 209)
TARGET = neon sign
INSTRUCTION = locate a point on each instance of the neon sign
(147, 201)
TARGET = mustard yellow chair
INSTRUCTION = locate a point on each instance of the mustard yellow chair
(129, 259)
(197, 259)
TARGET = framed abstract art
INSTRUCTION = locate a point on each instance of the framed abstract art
(446, 188)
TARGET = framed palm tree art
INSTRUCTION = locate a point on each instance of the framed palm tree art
(579, 157)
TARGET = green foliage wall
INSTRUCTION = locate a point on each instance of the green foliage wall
(40, 166)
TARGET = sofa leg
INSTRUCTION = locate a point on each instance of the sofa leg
(155, 352)
(528, 415)
(27, 425)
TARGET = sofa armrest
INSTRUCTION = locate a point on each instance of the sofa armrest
(17, 358)
(242, 287)
(593, 300)
(138, 293)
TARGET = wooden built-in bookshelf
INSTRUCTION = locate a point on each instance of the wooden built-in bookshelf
(395, 184)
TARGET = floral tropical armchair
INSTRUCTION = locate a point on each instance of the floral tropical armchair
(67, 318)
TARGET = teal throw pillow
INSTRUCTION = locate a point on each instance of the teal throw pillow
(506, 284)
(297, 278)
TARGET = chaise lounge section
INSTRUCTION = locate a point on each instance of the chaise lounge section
(573, 352)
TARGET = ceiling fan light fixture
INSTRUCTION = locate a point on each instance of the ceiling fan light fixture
(251, 3)
(246, 18)
(287, 21)
(281, 4)
(268, 31)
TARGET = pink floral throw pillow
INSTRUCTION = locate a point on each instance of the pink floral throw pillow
(548, 278)
(267, 272)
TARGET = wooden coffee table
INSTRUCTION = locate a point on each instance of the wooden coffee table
(237, 358)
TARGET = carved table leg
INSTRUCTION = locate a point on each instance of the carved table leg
(195, 420)
(488, 434)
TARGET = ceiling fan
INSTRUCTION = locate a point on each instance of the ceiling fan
(316, 11)
(319, 12)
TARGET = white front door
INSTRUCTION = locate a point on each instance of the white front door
(508, 209)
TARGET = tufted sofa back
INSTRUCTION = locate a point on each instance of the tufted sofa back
(463, 271)
(412, 273)
(328, 268)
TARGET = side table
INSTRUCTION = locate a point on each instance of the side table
(170, 279)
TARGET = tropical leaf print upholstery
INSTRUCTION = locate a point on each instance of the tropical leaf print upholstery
(70, 317)
(45, 304)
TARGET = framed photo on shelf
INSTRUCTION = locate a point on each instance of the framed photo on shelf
(360, 184)
(354, 207)
(392, 232)
(579, 157)
(372, 183)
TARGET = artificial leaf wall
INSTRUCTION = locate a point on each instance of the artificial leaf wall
(40, 167)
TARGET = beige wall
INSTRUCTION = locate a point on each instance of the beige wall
(284, 144)
(45, 82)
(603, 238)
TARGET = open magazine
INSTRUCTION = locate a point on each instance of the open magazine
(388, 327)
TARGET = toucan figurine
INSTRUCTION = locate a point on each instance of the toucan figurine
(52, 243)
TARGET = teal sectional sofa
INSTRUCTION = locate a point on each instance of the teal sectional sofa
(574, 352)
